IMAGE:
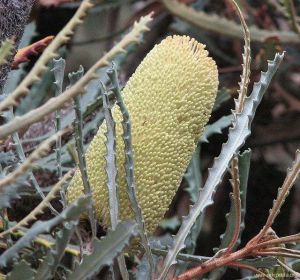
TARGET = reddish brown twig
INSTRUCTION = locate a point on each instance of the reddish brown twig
(263, 243)
(235, 182)
(33, 49)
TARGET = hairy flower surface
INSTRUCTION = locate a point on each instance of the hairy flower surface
(169, 97)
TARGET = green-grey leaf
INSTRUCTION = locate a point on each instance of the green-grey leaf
(260, 262)
(110, 157)
(105, 250)
(72, 212)
(194, 180)
(129, 164)
(21, 270)
(50, 263)
(9, 193)
(216, 127)
(236, 138)
(244, 167)
(170, 223)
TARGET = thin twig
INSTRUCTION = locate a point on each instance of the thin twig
(282, 249)
(281, 240)
(293, 16)
(277, 254)
(289, 181)
(245, 77)
(289, 269)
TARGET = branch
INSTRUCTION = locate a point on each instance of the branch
(245, 77)
(40, 208)
(224, 26)
(58, 102)
(27, 164)
(50, 52)
(282, 194)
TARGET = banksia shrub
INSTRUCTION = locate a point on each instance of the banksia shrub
(169, 99)
(152, 135)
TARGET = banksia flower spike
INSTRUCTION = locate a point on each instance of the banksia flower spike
(169, 97)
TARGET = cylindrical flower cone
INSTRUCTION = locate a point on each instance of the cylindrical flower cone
(169, 98)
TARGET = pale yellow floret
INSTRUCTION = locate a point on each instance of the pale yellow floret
(169, 98)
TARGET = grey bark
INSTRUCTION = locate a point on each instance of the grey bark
(13, 18)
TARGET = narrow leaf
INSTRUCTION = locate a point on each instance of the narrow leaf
(244, 165)
(105, 250)
(21, 270)
(72, 212)
(50, 263)
(236, 138)
(216, 127)
(129, 165)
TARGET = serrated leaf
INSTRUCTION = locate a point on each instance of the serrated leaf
(90, 98)
(21, 270)
(110, 158)
(216, 127)
(244, 166)
(193, 178)
(50, 263)
(236, 138)
(105, 250)
(58, 72)
(129, 165)
(11, 192)
(37, 95)
(72, 212)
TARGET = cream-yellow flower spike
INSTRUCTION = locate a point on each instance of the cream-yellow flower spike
(169, 98)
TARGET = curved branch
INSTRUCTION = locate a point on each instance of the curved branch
(224, 26)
